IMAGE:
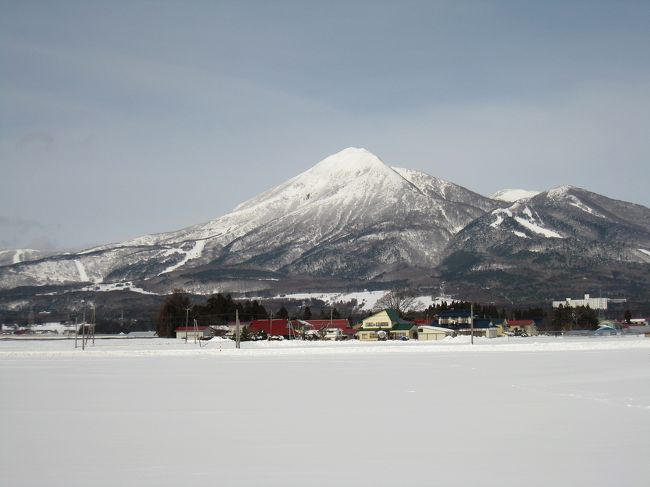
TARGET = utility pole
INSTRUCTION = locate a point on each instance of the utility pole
(237, 330)
(187, 317)
(471, 322)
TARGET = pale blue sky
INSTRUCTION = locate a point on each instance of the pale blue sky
(124, 118)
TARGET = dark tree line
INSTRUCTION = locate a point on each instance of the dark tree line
(177, 310)
(220, 309)
(172, 313)
(569, 318)
(486, 311)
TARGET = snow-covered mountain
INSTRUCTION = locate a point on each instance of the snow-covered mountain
(566, 237)
(351, 215)
(512, 195)
(16, 256)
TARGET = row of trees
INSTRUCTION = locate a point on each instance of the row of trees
(404, 302)
(177, 310)
(569, 318)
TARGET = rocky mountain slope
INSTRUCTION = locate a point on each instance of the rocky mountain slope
(16, 256)
(565, 238)
(354, 220)
(351, 215)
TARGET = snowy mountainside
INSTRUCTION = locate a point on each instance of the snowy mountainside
(513, 195)
(16, 256)
(566, 232)
(349, 215)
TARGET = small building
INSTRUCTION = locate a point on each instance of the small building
(194, 333)
(338, 329)
(482, 327)
(593, 303)
(430, 333)
(143, 334)
(522, 327)
(454, 317)
(403, 331)
(273, 328)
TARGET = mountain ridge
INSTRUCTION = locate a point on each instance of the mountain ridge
(352, 216)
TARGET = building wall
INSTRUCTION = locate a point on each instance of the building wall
(190, 335)
(593, 303)
(367, 335)
(378, 320)
(430, 335)
(456, 320)
(402, 333)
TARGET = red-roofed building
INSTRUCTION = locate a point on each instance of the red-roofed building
(522, 326)
(277, 327)
(295, 328)
(317, 325)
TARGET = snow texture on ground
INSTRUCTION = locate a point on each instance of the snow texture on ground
(504, 412)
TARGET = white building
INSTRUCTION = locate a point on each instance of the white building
(593, 303)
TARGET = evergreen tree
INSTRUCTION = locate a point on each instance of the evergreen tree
(173, 313)
(282, 313)
(244, 334)
(306, 314)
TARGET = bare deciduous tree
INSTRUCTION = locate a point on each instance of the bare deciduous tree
(401, 300)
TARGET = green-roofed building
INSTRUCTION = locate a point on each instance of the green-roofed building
(386, 324)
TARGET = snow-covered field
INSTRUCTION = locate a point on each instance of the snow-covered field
(504, 412)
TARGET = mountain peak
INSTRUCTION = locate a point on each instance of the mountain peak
(513, 195)
(559, 191)
(351, 160)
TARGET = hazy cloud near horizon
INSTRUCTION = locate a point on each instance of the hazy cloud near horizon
(128, 118)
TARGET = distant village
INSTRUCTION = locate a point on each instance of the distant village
(221, 316)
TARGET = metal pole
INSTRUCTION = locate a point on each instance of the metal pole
(187, 316)
(471, 321)
(270, 325)
(237, 330)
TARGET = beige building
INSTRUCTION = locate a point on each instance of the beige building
(382, 320)
(386, 324)
(429, 333)
(194, 333)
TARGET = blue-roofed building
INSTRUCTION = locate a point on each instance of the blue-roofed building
(454, 317)
(461, 322)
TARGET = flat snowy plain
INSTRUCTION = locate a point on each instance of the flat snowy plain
(504, 412)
